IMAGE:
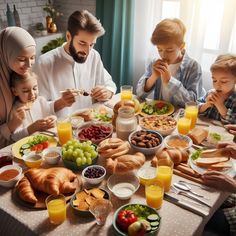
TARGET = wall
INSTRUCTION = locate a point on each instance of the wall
(70, 6)
(31, 11)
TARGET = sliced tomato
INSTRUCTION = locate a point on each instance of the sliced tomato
(37, 148)
(45, 144)
(160, 104)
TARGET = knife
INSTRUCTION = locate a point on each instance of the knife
(185, 205)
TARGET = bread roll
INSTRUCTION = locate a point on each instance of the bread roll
(125, 163)
(198, 134)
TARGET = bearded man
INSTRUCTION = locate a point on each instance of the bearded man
(76, 66)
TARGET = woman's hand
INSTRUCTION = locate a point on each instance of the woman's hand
(42, 124)
(101, 94)
(219, 181)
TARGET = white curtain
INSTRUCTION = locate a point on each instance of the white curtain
(211, 30)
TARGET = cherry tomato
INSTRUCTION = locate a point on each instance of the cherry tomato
(126, 218)
(45, 144)
(160, 105)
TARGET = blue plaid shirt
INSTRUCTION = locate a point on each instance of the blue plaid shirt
(212, 112)
(186, 86)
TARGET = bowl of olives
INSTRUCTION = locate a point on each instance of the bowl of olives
(94, 174)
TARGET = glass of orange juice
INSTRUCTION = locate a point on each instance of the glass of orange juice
(191, 112)
(64, 131)
(165, 172)
(183, 125)
(126, 92)
(154, 193)
(56, 206)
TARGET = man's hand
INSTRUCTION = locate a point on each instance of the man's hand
(101, 94)
(230, 147)
(231, 128)
(69, 97)
(219, 181)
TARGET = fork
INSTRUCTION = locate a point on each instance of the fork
(189, 195)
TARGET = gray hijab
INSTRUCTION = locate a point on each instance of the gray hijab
(12, 41)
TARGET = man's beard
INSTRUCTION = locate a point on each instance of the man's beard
(74, 54)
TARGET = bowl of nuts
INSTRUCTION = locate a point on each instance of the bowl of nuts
(95, 132)
(165, 125)
(94, 174)
(146, 141)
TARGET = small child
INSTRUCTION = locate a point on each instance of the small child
(175, 77)
(220, 102)
(31, 112)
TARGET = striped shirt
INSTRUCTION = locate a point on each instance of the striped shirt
(212, 112)
(184, 87)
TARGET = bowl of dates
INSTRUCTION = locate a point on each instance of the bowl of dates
(146, 141)
(95, 132)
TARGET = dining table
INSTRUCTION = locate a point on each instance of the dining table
(19, 219)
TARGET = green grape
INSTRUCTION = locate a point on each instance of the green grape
(87, 155)
(84, 160)
(71, 147)
(78, 161)
(89, 142)
(75, 154)
(69, 143)
(70, 154)
(89, 160)
(65, 154)
(93, 154)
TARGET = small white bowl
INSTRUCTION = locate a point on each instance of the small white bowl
(123, 186)
(93, 179)
(11, 182)
(52, 155)
(179, 139)
(33, 159)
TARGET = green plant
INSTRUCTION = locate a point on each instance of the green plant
(52, 10)
(52, 44)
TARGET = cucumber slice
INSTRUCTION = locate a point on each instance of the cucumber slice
(153, 217)
(26, 151)
(25, 146)
(154, 224)
(149, 229)
(154, 228)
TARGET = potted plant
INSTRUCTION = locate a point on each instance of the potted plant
(53, 13)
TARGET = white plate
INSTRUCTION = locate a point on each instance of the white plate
(231, 172)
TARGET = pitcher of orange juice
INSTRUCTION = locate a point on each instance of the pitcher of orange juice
(191, 112)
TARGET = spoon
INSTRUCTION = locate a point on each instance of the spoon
(197, 185)
(186, 188)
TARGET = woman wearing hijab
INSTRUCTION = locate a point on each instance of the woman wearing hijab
(17, 53)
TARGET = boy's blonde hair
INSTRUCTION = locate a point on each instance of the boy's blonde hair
(16, 78)
(169, 30)
(226, 62)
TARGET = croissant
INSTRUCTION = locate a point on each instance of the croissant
(26, 191)
(52, 181)
(125, 163)
(176, 155)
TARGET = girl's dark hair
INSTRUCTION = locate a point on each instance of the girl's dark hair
(84, 20)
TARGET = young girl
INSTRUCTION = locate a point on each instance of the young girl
(175, 77)
(220, 102)
(37, 114)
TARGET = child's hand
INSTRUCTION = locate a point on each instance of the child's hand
(162, 67)
(209, 102)
(217, 99)
(155, 71)
(17, 118)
